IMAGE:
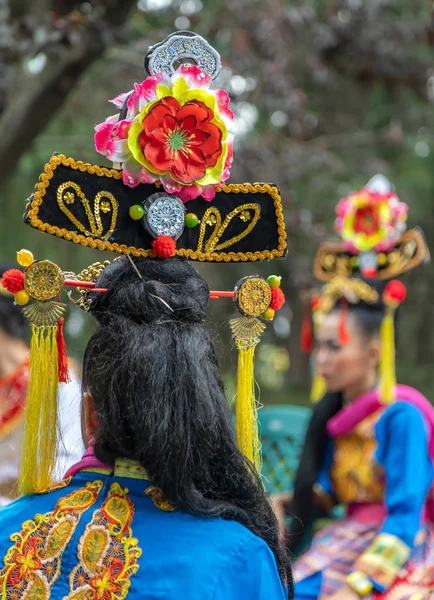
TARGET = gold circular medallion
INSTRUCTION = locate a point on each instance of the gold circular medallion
(254, 296)
(43, 280)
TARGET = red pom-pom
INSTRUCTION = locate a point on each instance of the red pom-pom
(395, 291)
(13, 281)
(277, 299)
(164, 246)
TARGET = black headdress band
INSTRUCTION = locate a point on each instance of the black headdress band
(89, 205)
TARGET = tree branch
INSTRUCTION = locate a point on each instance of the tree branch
(30, 112)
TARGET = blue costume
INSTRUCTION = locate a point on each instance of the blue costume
(106, 535)
(381, 467)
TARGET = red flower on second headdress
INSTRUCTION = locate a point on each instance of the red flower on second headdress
(367, 220)
(181, 140)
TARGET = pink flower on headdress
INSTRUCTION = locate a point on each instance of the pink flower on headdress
(175, 131)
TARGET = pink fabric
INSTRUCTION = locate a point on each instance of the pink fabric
(368, 513)
(89, 461)
(347, 419)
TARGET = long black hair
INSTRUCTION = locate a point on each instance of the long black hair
(153, 374)
(368, 319)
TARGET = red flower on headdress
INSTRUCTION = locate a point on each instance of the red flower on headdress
(181, 140)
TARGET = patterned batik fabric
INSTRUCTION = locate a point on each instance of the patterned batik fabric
(417, 577)
(335, 550)
(33, 563)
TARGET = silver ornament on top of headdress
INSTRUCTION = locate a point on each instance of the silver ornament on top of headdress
(379, 184)
(181, 46)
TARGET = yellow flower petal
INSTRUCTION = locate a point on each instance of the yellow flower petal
(162, 91)
(179, 90)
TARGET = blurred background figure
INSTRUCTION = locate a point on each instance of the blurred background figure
(14, 372)
(14, 367)
(370, 442)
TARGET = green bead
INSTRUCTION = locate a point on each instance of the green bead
(137, 212)
(191, 220)
(274, 281)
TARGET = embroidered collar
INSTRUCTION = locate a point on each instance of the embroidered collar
(124, 467)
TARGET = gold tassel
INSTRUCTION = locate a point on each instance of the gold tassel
(387, 360)
(247, 332)
(38, 457)
(318, 388)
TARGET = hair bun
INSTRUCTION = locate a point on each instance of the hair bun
(169, 288)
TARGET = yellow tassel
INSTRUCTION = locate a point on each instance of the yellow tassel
(246, 409)
(387, 360)
(247, 333)
(318, 388)
(38, 457)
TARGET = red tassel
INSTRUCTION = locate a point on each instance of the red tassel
(306, 331)
(344, 336)
(63, 368)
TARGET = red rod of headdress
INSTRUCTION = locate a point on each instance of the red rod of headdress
(89, 284)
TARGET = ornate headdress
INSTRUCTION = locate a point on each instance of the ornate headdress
(375, 246)
(166, 195)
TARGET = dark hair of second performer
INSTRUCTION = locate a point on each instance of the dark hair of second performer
(368, 319)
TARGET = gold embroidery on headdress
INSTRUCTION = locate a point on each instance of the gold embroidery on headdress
(332, 260)
(352, 289)
(65, 198)
(246, 212)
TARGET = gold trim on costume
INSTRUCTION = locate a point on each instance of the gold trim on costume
(211, 255)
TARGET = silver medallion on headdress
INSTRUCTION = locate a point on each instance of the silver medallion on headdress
(182, 46)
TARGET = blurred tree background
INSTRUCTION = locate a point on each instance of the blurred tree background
(326, 94)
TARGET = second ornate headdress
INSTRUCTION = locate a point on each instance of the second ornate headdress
(375, 245)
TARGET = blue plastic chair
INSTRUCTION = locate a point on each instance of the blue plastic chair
(281, 431)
